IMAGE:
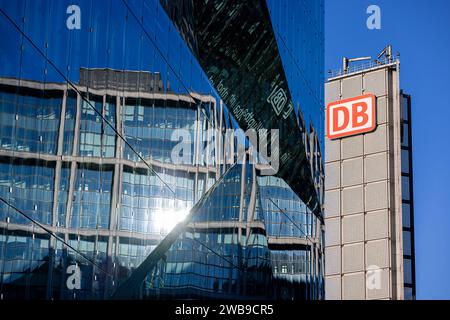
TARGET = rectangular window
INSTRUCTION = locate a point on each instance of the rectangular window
(405, 137)
(405, 188)
(405, 161)
(407, 271)
(407, 243)
(406, 218)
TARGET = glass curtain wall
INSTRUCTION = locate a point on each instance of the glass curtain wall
(87, 183)
(91, 94)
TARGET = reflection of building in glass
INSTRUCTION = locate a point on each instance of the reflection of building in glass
(249, 237)
(119, 210)
(240, 54)
(88, 191)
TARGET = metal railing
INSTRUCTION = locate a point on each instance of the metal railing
(359, 67)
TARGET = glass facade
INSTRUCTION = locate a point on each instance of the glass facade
(251, 79)
(92, 205)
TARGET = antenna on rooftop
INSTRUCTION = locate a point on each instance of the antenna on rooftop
(387, 52)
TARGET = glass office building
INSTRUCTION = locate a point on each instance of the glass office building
(92, 205)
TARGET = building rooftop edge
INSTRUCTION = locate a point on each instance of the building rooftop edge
(33, 84)
(372, 66)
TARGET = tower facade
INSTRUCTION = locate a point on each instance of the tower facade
(369, 225)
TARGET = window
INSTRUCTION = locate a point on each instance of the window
(405, 137)
(406, 215)
(405, 188)
(407, 270)
(405, 161)
(407, 243)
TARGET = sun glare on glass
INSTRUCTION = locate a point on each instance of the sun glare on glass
(166, 220)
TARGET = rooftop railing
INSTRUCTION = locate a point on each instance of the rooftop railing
(359, 67)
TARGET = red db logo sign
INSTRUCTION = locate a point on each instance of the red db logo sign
(351, 116)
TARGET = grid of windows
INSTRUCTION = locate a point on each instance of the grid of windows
(224, 203)
(285, 214)
(149, 201)
(97, 139)
(22, 259)
(88, 186)
(149, 128)
(210, 260)
(147, 206)
(69, 124)
(29, 185)
(292, 262)
(63, 194)
(30, 120)
(92, 197)
(191, 265)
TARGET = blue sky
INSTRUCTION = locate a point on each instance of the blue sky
(420, 31)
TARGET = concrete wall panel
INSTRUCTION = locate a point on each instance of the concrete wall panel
(352, 86)
(381, 110)
(378, 288)
(377, 225)
(333, 288)
(333, 232)
(352, 147)
(332, 150)
(333, 262)
(375, 82)
(376, 196)
(352, 172)
(332, 204)
(352, 200)
(332, 92)
(353, 228)
(353, 257)
(375, 167)
(353, 286)
(377, 253)
(376, 141)
(333, 173)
